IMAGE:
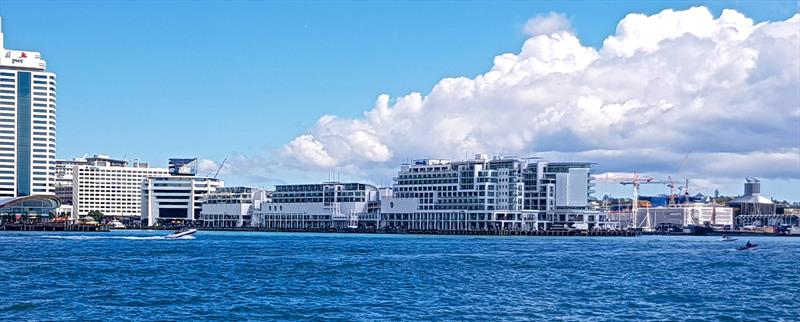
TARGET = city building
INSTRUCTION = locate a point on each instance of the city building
(63, 181)
(34, 208)
(684, 215)
(27, 124)
(231, 206)
(111, 186)
(318, 206)
(177, 197)
(754, 210)
(500, 193)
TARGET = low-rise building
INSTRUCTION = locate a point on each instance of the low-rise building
(231, 206)
(683, 216)
(317, 206)
(486, 194)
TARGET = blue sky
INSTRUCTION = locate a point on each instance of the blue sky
(153, 80)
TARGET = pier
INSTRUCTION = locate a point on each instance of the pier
(54, 227)
(547, 233)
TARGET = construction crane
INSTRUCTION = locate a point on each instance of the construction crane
(220, 167)
(636, 181)
(671, 184)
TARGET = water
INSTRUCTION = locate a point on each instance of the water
(138, 275)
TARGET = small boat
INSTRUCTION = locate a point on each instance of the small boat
(116, 224)
(181, 233)
(727, 238)
(748, 246)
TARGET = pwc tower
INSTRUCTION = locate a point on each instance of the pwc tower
(27, 123)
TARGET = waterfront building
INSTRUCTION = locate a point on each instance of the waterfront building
(231, 206)
(684, 215)
(111, 186)
(63, 181)
(176, 197)
(28, 208)
(27, 124)
(752, 202)
(322, 205)
(500, 193)
(754, 210)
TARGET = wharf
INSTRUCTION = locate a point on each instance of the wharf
(53, 227)
(549, 233)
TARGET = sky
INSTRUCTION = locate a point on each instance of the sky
(309, 91)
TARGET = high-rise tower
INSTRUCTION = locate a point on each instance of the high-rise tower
(27, 123)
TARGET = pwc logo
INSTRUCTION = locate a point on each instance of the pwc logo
(23, 55)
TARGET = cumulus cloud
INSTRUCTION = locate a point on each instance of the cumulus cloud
(547, 24)
(677, 81)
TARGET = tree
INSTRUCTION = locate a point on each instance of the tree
(95, 214)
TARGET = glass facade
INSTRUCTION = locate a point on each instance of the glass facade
(23, 133)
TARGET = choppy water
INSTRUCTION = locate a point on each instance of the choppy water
(137, 275)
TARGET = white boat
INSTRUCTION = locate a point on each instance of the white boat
(116, 224)
(181, 233)
(727, 238)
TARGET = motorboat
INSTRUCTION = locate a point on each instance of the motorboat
(727, 238)
(181, 233)
(116, 224)
(748, 246)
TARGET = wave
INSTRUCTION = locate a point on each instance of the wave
(84, 237)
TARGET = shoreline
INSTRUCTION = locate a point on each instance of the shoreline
(547, 233)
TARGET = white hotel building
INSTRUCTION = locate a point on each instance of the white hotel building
(109, 186)
(231, 206)
(319, 206)
(501, 193)
(27, 124)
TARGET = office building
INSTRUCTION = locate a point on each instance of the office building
(27, 123)
(111, 186)
(231, 206)
(500, 193)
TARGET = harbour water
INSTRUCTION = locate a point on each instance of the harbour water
(137, 275)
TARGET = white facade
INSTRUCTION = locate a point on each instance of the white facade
(683, 216)
(231, 206)
(318, 206)
(175, 198)
(27, 124)
(109, 186)
(501, 193)
(63, 181)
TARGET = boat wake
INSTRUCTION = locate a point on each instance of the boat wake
(83, 237)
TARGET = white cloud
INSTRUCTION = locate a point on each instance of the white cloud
(309, 151)
(662, 85)
(547, 24)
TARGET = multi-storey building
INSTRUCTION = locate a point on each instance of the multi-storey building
(501, 193)
(231, 206)
(323, 205)
(109, 186)
(27, 123)
(176, 197)
(63, 181)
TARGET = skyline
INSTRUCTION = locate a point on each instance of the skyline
(277, 149)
